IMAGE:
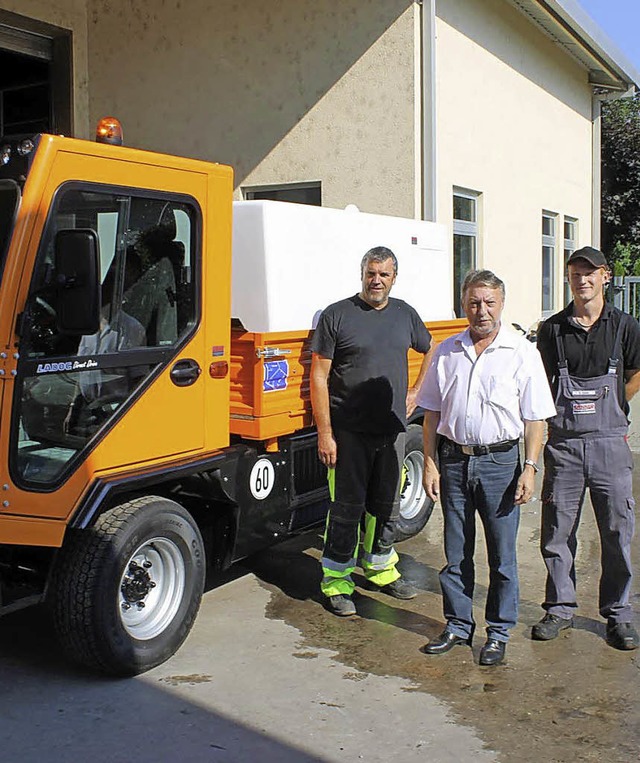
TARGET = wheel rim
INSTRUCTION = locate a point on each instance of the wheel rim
(413, 495)
(151, 588)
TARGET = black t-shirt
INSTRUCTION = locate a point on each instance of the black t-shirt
(369, 377)
(588, 352)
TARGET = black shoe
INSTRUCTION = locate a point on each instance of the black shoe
(622, 636)
(341, 605)
(444, 642)
(492, 653)
(549, 627)
(400, 589)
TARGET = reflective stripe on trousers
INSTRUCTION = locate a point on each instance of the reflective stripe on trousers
(365, 483)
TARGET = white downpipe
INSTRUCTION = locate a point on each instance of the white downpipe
(429, 156)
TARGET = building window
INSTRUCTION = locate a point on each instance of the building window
(570, 244)
(548, 261)
(298, 193)
(465, 240)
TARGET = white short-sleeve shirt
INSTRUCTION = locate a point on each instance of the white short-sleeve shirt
(485, 399)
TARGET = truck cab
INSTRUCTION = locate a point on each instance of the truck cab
(146, 438)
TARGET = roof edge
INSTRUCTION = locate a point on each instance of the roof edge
(594, 39)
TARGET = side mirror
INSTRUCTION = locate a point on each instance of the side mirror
(77, 264)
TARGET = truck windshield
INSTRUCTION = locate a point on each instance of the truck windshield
(9, 201)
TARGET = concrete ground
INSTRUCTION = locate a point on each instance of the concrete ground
(268, 675)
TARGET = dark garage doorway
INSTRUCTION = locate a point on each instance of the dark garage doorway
(35, 78)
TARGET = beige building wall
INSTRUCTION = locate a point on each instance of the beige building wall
(287, 91)
(70, 15)
(514, 124)
(319, 90)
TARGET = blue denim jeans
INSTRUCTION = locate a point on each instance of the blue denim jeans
(486, 485)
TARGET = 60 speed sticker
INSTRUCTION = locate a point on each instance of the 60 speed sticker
(262, 479)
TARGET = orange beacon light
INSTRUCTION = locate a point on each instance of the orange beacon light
(109, 130)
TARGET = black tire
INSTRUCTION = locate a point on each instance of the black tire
(125, 593)
(415, 506)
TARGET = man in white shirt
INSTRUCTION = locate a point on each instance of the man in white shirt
(486, 388)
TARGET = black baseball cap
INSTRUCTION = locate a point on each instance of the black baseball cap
(592, 256)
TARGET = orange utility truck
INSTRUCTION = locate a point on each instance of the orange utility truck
(148, 432)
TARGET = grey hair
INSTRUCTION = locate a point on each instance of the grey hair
(482, 278)
(379, 254)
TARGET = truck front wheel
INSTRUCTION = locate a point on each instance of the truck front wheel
(126, 592)
(415, 505)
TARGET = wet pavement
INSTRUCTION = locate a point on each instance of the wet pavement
(571, 699)
(268, 675)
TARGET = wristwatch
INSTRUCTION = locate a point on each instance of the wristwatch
(532, 464)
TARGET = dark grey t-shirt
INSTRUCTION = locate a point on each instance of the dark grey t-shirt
(369, 377)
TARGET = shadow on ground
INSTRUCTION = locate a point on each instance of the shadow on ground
(571, 699)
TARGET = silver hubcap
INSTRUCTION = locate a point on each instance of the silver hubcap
(413, 495)
(151, 588)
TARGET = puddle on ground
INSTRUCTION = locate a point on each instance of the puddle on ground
(571, 699)
(191, 680)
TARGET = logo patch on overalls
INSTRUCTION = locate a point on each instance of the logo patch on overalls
(580, 408)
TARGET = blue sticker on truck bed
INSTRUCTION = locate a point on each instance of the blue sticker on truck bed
(276, 373)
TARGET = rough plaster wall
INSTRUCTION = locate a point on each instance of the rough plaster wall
(514, 122)
(68, 14)
(285, 91)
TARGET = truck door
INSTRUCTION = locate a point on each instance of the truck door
(74, 392)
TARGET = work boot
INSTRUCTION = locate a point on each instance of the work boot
(400, 589)
(549, 627)
(622, 636)
(341, 605)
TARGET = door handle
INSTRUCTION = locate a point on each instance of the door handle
(185, 372)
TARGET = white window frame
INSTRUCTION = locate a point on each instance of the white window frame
(469, 229)
(569, 246)
(549, 242)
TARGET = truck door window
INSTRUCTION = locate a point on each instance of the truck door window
(70, 388)
(107, 227)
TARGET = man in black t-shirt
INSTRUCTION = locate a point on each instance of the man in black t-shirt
(360, 398)
(591, 353)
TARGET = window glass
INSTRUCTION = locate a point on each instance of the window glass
(548, 262)
(570, 229)
(107, 225)
(465, 241)
(464, 257)
(297, 193)
(464, 208)
(70, 387)
(570, 244)
(548, 258)
(548, 226)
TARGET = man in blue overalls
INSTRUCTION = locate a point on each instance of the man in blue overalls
(591, 353)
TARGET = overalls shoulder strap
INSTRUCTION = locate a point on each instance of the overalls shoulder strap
(562, 358)
(616, 353)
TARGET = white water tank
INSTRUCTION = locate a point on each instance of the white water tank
(292, 260)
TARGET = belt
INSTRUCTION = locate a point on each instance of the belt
(481, 450)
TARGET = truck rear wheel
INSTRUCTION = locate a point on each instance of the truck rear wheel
(126, 592)
(415, 506)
